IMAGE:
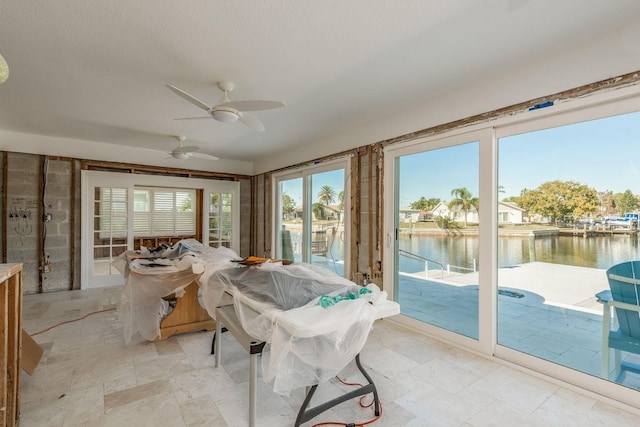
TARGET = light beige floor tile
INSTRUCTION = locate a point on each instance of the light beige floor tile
(437, 406)
(126, 396)
(160, 410)
(163, 367)
(168, 346)
(501, 414)
(88, 377)
(120, 377)
(47, 382)
(481, 366)
(521, 391)
(446, 376)
(75, 408)
(582, 410)
(198, 382)
(202, 412)
(271, 409)
(388, 362)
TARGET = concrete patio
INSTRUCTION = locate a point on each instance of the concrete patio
(546, 310)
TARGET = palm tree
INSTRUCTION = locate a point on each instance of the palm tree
(318, 210)
(326, 195)
(463, 200)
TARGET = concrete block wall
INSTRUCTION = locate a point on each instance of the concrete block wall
(23, 172)
(369, 252)
(77, 241)
(57, 243)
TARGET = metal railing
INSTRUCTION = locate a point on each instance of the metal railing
(426, 261)
(471, 270)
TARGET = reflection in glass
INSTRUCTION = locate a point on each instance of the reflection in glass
(220, 219)
(327, 220)
(110, 228)
(572, 196)
(438, 223)
(290, 220)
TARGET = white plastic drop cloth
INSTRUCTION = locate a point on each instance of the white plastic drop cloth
(152, 275)
(306, 343)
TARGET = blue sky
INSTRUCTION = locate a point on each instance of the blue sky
(603, 154)
(334, 179)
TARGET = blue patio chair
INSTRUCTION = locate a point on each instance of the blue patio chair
(624, 296)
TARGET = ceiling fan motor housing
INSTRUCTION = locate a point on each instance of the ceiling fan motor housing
(226, 115)
(180, 156)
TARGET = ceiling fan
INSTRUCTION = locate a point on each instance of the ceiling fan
(230, 111)
(182, 152)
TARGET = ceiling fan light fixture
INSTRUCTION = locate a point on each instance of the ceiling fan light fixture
(226, 116)
(4, 70)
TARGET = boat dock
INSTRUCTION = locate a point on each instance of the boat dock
(596, 232)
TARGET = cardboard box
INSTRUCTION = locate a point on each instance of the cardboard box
(31, 353)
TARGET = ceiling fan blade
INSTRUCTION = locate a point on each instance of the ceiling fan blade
(192, 99)
(251, 121)
(253, 105)
(204, 156)
(186, 149)
(194, 118)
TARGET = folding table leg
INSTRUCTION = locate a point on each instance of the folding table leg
(218, 341)
(253, 395)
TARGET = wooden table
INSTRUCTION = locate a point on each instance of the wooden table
(187, 315)
(145, 289)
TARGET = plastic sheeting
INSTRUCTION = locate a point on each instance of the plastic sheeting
(306, 344)
(152, 275)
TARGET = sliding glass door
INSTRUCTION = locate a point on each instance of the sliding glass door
(311, 208)
(517, 240)
(436, 235)
(576, 201)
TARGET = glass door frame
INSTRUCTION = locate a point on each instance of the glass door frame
(601, 106)
(487, 300)
(596, 106)
(305, 173)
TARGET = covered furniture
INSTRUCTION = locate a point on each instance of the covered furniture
(624, 298)
(305, 343)
(160, 297)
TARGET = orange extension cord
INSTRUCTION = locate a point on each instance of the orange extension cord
(362, 404)
(71, 321)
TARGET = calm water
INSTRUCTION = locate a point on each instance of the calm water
(595, 252)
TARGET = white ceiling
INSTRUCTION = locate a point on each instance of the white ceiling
(351, 72)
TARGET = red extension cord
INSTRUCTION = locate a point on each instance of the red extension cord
(362, 404)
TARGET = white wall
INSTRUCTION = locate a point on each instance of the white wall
(611, 56)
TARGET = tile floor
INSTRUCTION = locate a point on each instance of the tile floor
(88, 377)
